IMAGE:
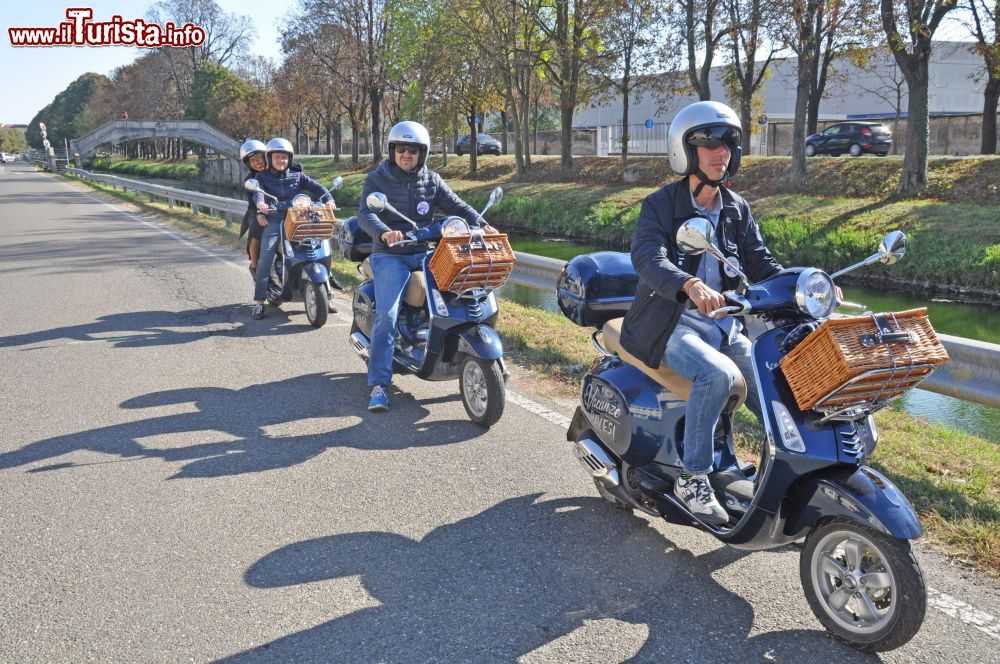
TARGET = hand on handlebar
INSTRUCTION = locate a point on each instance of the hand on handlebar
(706, 299)
(391, 237)
(263, 208)
(489, 230)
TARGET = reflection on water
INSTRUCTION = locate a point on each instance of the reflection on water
(962, 320)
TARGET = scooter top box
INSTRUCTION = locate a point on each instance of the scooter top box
(355, 245)
(595, 288)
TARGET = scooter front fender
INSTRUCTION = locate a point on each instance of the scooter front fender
(316, 273)
(480, 341)
(863, 496)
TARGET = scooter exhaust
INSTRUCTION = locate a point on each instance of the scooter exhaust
(598, 462)
(360, 344)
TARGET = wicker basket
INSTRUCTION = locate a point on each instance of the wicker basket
(309, 223)
(463, 262)
(852, 361)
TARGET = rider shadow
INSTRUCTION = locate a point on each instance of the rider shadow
(512, 579)
(141, 329)
(248, 426)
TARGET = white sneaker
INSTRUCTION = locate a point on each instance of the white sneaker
(697, 495)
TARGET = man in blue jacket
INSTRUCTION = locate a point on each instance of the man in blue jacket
(282, 183)
(704, 147)
(416, 191)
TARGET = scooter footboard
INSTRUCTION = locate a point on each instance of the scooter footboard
(864, 496)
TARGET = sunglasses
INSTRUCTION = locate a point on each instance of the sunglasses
(407, 149)
(713, 138)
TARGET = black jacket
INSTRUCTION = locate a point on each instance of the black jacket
(416, 195)
(250, 216)
(663, 268)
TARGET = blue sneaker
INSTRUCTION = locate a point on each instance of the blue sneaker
(379, 400)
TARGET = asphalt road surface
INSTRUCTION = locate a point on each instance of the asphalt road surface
(180, 482)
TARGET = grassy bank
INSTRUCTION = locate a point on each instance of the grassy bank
(182, 170)
(835, 217)
(949, 476)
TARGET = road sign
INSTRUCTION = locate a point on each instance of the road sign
(649, 123)
(762, 120)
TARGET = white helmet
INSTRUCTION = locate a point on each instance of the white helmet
(251, 147)
(409, 132)
(278, 145)
(707, 121)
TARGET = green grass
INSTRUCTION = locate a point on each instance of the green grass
(949, 476)
(182, 170)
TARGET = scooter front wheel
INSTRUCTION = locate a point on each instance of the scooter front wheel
(317, 303)
(481, 385)
(866, 588)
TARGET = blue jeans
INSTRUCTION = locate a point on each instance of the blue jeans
(711, 364)
(269, 238)
(391, 271)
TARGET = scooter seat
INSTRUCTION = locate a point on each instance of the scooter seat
(415, 294)
(663, 374)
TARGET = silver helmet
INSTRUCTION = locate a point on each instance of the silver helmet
(278, 145)
(706, 120)
(251, 147)
(409, 132)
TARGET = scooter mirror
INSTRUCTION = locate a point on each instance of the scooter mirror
(376, 201)
(337, 183)
(696, 235)
(496, 196)
(251, 185)
(892, 247)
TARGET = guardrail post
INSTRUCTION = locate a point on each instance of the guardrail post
(195, 209)
(170, 203)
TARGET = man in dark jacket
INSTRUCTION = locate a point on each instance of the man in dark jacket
(704, 147)
(416, 191)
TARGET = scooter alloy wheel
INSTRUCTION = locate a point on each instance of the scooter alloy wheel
(317, 304)
(866, 588)
(481, 386)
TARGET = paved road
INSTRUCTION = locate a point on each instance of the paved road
(179, 482)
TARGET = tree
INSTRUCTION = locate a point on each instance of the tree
(749, 21)
(226, 38)
(213, 89)
(802, 39)
(884, 80)
(63, 117)
(985, 27)
(570, 25)
(629, 54)
(12, 140)
(695, 26)
(912, 51)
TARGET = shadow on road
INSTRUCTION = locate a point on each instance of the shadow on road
(244, 417)
(508, 581)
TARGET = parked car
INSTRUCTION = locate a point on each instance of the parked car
(854, 138)
(485, 144)
(8, 158)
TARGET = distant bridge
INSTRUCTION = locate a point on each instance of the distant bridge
(193, 131)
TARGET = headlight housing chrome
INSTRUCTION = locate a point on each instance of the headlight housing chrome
(454, 226)
(301, 201)
(815, 294)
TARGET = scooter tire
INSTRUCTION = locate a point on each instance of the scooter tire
(875, 574)
(481, 385)
(317, 303)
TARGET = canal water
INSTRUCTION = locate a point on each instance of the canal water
(963, 320)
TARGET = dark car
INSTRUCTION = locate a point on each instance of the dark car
(485, 144)
(854, 138)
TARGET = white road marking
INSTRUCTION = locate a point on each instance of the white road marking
(951, 606)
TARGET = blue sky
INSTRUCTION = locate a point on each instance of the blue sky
(31, 77)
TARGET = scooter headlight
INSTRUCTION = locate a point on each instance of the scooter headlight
(454, 226)
(301, 201)
(815, 294)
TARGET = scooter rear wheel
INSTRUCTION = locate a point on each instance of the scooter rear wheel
(317, 303)
(481, 385)
(866, 588)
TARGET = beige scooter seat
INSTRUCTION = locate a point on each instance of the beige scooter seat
(415, 294)
(663, 375)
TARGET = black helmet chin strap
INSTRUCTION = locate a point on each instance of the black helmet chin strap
(705, 180)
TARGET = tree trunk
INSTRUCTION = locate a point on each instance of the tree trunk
(473, 141)
(989, 131)
(338, 137)
(914, 175)
(797, 171)
(746, 119)
(355, 138)
(376, 109)
(625, 135)
(503, 132)
(566, 107)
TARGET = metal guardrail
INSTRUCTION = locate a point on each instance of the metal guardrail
(972, 373)
(230, 207)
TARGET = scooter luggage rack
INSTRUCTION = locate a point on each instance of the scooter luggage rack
(870, 391)
(473, 276)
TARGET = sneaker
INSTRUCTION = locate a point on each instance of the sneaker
(379, 400)
(258, 312)
(697, 495)
(330, 308)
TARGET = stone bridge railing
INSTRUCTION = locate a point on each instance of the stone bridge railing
(194, 131)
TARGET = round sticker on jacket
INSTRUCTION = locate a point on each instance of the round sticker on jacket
(731, 262)
(423, 207)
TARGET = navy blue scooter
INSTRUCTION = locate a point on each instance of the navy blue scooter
(302, 264)
(857, 566)
(440, 335)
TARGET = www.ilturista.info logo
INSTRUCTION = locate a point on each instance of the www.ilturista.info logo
(79, 30)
